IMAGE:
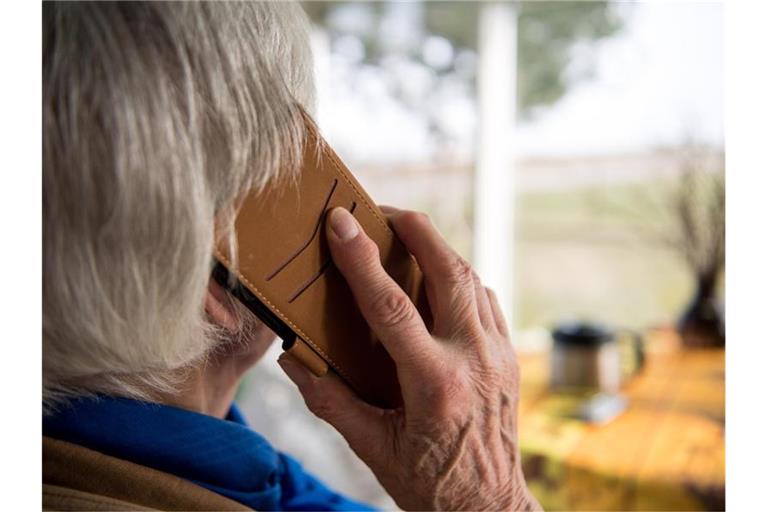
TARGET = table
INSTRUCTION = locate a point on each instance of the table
(666, 451)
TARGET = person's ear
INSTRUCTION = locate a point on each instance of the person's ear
(219, 307)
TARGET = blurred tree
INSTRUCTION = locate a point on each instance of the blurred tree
(697, 206)
(687, 215)
(548, 32)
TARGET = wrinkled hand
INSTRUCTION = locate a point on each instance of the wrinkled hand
(453, 444)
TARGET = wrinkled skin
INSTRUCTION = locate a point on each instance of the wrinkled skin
(453, 444)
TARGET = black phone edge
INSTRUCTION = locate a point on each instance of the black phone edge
(221, 275)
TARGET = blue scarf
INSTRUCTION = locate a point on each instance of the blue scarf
(224, 456)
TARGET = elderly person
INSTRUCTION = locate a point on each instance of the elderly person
(157, 117)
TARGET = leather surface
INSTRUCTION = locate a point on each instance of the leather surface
(77, 478)
(283, 260)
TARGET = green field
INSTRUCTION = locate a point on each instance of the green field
(591, 253)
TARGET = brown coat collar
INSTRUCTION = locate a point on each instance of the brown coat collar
(76, 478)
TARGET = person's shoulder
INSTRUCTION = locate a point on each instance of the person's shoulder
(78, 478)
(64, 498)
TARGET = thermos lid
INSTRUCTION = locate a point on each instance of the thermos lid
(581, 334)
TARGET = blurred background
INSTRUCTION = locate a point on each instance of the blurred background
(573, 151)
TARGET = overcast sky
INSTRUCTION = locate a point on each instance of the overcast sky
(658, 80)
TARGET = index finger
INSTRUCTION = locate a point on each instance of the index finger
(384, 305)
(451, 282)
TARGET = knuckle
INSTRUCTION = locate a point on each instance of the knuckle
(321, 406)
(489, 378)
(447, 393)
(393, 308)
(416, 218)
(505, 366)
(460, 272)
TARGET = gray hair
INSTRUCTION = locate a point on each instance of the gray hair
(157, 118)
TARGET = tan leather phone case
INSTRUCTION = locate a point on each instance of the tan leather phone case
(286, 276)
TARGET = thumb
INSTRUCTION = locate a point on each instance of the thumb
(362, 425)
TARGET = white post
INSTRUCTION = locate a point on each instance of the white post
(320, 43)
(493, 187)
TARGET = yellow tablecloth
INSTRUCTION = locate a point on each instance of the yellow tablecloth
(666, 451)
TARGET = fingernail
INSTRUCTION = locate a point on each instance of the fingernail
(344, 226)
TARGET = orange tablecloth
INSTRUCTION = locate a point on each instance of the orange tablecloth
(666, 451)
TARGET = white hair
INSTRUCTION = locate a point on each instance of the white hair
(157, 118)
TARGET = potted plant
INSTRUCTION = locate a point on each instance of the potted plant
(687, 215)
(697, 234)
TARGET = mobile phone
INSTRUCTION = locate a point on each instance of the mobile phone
(283, 272)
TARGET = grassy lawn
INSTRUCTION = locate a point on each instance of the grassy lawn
(588, 253)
